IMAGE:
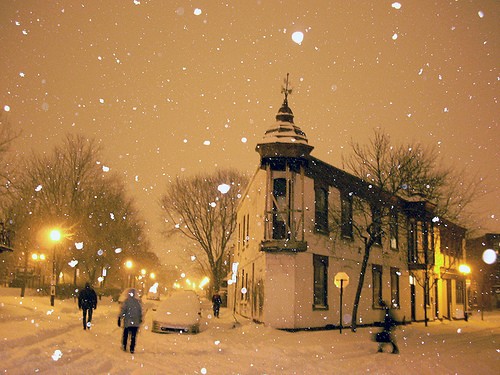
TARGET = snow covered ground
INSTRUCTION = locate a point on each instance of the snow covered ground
(38, 338)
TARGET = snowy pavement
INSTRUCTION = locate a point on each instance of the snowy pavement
(38, 338)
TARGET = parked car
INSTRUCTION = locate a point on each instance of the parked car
(178, 313)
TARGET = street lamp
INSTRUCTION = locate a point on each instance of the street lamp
(465, 270)
(55, 236)
(129, 265)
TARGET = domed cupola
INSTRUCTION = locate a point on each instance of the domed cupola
(284, 138)
(283, 156)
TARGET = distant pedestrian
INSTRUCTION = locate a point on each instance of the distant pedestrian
(216, 302)
(386, 336)
(87, 302)
(131, 313)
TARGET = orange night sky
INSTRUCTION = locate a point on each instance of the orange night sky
(178, 87)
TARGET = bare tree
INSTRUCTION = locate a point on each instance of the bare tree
(413, 169)
(7, 137)
(203, 209)
(69, 189)
(405, 171)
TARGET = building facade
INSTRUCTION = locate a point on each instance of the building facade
(300, 224)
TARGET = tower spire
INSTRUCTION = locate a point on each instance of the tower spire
(285, 90)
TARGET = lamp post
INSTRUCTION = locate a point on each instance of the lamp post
(465, 270)
(55, 236)
(129, 265)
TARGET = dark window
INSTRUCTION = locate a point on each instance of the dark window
(280, 211)
(376, 230)
(412, 241)
(395, 273)
(321, 209)
(394, 229)
(377, 285)
(320, 281)
(346, 215)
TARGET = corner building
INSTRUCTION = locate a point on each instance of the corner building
(296, 229)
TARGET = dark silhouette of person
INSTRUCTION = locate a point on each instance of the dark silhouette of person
(87, 302)
(216, 302)
(386, 336)
(131, 313)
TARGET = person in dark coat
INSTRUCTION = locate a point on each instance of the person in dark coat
(386, 336)
(216, 302)
(87, 302)
(131, 314)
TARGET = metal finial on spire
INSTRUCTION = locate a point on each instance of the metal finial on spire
(285, 90)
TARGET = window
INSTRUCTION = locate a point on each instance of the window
(321, 209)
(376, 230)
(346, 215)
(320, 264)
(412, 241)
(377, 285)
(395, 274)
(394, 229)
(280, 211)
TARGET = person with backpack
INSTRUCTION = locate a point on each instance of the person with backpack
(216, 302)
(386, 336)
(131, 314)
(87, 302)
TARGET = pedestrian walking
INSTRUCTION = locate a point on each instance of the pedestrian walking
(386, 336)
(216, 302)
(87, 302)
(131, 314)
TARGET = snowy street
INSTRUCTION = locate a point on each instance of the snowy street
(37, 338)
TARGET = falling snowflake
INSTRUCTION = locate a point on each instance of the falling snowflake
(223, 188)
(298, 37)
(396, 5)
(57, 355)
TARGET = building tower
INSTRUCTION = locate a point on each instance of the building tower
(283, 152)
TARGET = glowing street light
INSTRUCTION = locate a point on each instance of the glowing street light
(465, 269)
(129, 266)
